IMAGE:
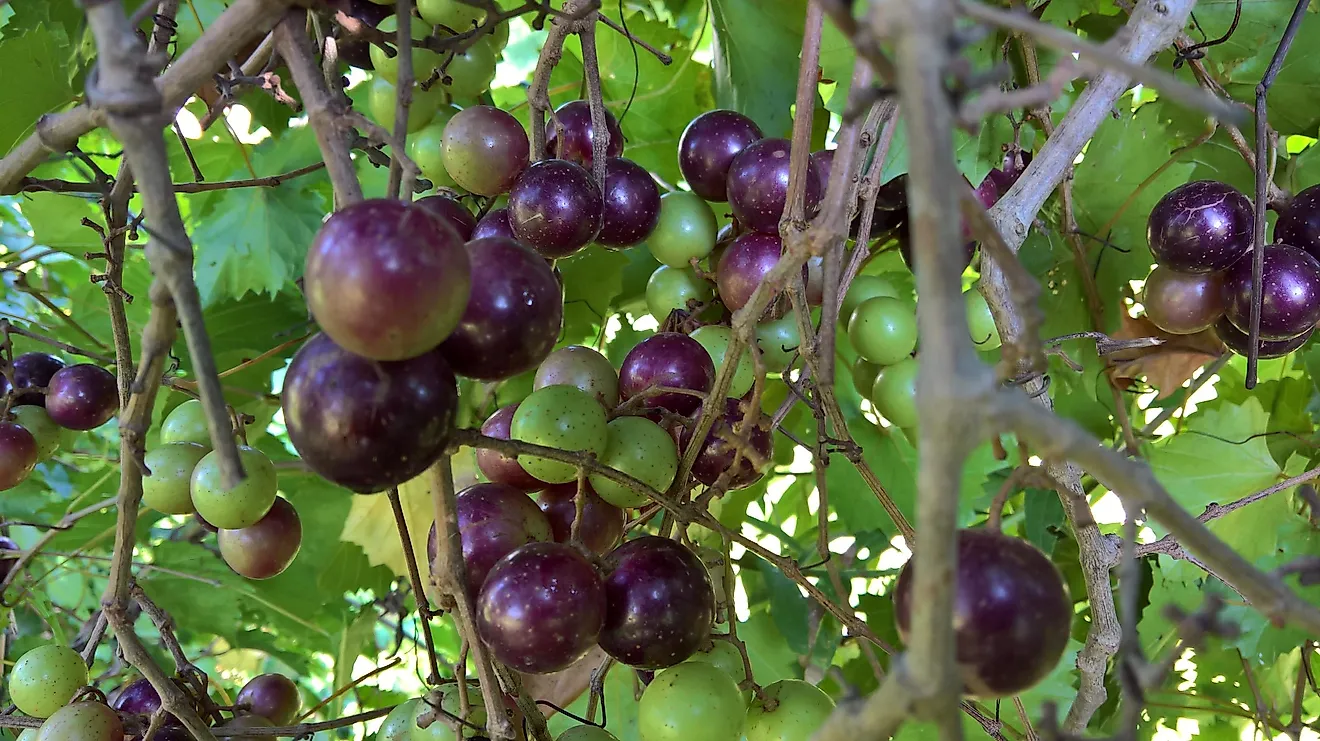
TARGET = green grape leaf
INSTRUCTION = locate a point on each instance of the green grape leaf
(1213, 460)
(42, 87)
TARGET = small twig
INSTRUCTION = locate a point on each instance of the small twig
(415, 577)
(664, 58)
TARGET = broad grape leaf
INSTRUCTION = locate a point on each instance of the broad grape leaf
(1294, 99)
(1216, 458)
(756, 59)
(36, 82)
(1166, 367)
(56, 221)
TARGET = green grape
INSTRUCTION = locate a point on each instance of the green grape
(499, 38)
(35, 420)
(863, 376)
(382, 101)
(82, 721)
(45, 679)
(399, 723)
(642, 449)
(586, 733)
(563, 417)
(691, 702)
(443, 729)
(799, 709)
(672, 288)
(725, 656)
(895, 393)
(471, 71)
(865, 287)
(452, 14)
(426, 148)
(686, 229)
(28, 734)
(168, 488)
(980, 322)
(245, 504)
(716, 340)
(779, 340)
(883, 330)
(186, 424)
(424, 61)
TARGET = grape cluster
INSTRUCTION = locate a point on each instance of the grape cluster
(1200, 234)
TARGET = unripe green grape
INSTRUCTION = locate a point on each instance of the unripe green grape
(168, 488)
(863, 376)
(716, 340)
(499, 38)
(642, 449)
(799, 709)
(883, 330)
(35, 420)
(862, 288)
(563, 417)
(426, 148)
(82, 721)
(672, 288)
(586, 733)
(691, 702)
(455, 15)
(686, 229)
(382, 100)
(895, 392)
(424, 61)
(724, 656)
(28, 734)
(471, 71)
(980, 322)
(443, 728)
(245, 504)
(400, 722)
(45, 679)
(186, 423)
(779, 340)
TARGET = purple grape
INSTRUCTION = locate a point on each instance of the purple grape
(1290, 290)
(18, 454)
(452, 213)
(824, 162)
(556, 208)
(744, 264)
(717, 454)
(1240, 342)
(659, 603)
(272, 696)
(498, 467)
(602, 522)
(485, 149)
(1200, 227)
(667, 359)
(998, 181)
(355, 49)
(494, 520)
(707, 148)
(9, 555)
(363, 424)
(758, 185)
(890, 212)
(34, 370)
(1298, 224)
(513, 316)
(82, 397)
(140, 698)
(494, 224)
(541, 608)
(1183, 303)
(632, 204)
(575, 118)
(263, 550)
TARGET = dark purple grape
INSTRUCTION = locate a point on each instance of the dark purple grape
(632, 204)
(602, 522)
(758, 185)
(659, 603)
(1240, 342)
(1200, 227)
(274, 697)
(264, 550)
(451, 212)
(541, 608)
(1011, 613)
(494, 224)
(34, 370)
(556, 208)
(1183, 303)
(1290, 291)
(386, 280)
(140, 698)
(890, 212)
(494, 520)
(82, 397)
(354, 49)
(824, 162)
(9, 555)
(998, 181)
(744, 264)
(18, 454)
(671, 360)
(1298, 224)
(707, 148)
(717, 454)
(513, 316)
(498, 467)
(363, 424)
(575, 146)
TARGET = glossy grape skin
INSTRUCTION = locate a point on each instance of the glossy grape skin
(659, 603)
(667, 359)
(602, 522)
(632, 204)
(718, 453)
(562, 417)
(454, 15)
(707, 148)
(584, 368)
(485, 150)
(744, 265)
(1290, 287)
(883, 330)
(1183, 303)
(167, 489)
(367, 425)
(494, 224)
(541, 608)
(1200, 227)
(82, 721)
(245, 504)
(8, 556)
(1012, 613)
(263, 550)
(1240, 342)
(274, 697)
(186, 423)
(498, 467)
(1299, 223)
(673, 288)
(716, 340)
(863, 374)
(34, 370)
(758, 185)
(724, 656)
(424, 61)
(642, 449)
(494, 520)
(980, 321)
(693, 701)
(426, 147)
(43, 429)
(82, 397)
(575, 146)
(45, 679)
(824, 161)
(890, 213)
(865, 287)
(514, 314)
(400, 722)
(18, 454)
(452, 213)
(383, 99)
(354, 49)
(470, 72)
(686, 230)
(800, 709)
(556, 208)
(894, 392)
(387, 280)
(778, 340)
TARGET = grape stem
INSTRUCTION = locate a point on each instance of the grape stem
(423, 606)
(403, 85)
